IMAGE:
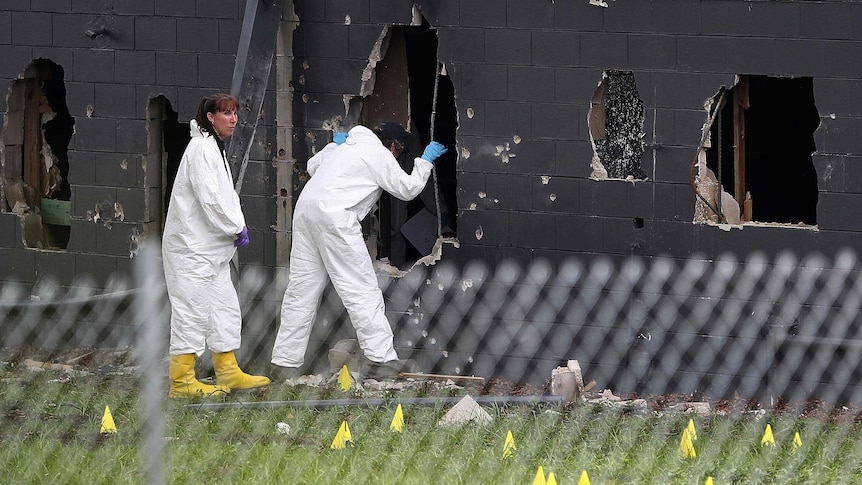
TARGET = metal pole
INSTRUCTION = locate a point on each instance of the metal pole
(377, 402)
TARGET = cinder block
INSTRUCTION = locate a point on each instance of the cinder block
(311, 11)
(51, 5)
(725, 18)
(604, 50)
(327, 41)
(31, 28)
(775, 19)
(700, 53)
(530, 84)
(228, 35)
(574, 85)
(840, 66)
(361, 39)
(826, 20)
(79, 97)
(95, 269)
(195, 35)
(480, 81)
(652, 51)
(839, 135)
(339, 10)
(665, 205)
(135, 67)
(15, 60)
(852, 174)
(555, 194)
(215, 70)
(555, 48)
(257, 212)
(687, 127)
(5, 27)
(255, 181)
(637, 17)
(57, 265)
(440, 14)
(93, 66)
(115, 100)
(527, 14)
(87, 198)
(227, 9)
(750, 55)
(673, 164)
(175, 68)
(82, 167)
(487, 14)
(116, 170)
(837, 211)
(506, 119)
(95, 134)
(677, 17)
(503, 46)
(261, 149)
(604, 198)
(134, 7)
(830, 172)
(115, 238)
(508, 192)
(471, 190)
(156, 33)
(533, 230)
(19, 265)
(461, 45)
(68, 30)
(10, 231)
(174, 8)
(82, 236)
(579, 233)
(572, 158)
(789, 52)
(533, 156)
(484, 228)
(677, 90)
(556, 121)
(678, 240)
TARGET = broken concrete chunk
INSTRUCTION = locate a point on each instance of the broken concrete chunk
(567, 382)
(466, 410)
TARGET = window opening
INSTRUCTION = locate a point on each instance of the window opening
(760, 145)
(616, 121)
(35, 147)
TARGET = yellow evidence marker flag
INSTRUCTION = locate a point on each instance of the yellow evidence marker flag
(397, 420)
(585, 479)
(691, 430)
(797, 441)
(768, 439)
(344, 378)
(342, 437)
(540, 477)
(686, 447)
(108, 425)
(708, 481)
(552, 480)
(509, 445)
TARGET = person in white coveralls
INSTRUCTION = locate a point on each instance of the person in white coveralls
(203, 229)
(347, 178)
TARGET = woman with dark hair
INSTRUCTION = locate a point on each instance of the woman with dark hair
(203, 229)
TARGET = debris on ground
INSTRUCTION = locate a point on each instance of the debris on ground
(465, 411)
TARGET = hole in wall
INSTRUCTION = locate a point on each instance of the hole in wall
(35, 147)
(167, 139)
(616, 120)
(759, 147)
(406, 78)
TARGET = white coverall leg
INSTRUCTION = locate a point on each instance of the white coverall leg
(201, 292)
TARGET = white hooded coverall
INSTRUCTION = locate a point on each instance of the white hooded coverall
(346, 181)
(203, 219)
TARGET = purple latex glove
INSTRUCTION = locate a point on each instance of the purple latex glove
(241, 240)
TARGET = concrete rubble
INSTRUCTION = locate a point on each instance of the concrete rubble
(465, 411)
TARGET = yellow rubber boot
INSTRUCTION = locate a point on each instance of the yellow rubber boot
(183, 381)
(229, 374)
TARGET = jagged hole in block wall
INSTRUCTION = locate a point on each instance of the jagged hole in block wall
(616, 121)
(35, 153)
(167, 139)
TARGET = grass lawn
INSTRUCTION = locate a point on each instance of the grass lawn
(50, 425)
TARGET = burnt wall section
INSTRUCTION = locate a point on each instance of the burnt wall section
(116, 57)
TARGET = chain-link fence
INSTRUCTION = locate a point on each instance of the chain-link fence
(781, 330)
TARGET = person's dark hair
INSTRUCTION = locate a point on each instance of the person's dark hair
(213, 104)
(391, 132)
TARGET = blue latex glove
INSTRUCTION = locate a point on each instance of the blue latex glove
(339, 137)
(241, 240)
(433, 151)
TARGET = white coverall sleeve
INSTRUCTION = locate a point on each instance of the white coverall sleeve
(204, 172)
(314, 162)
(391, 178)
